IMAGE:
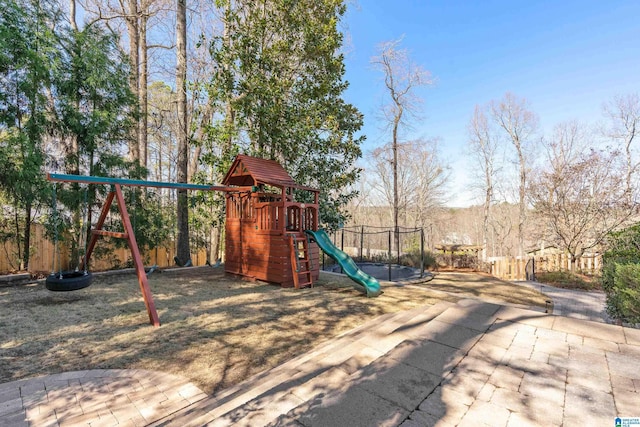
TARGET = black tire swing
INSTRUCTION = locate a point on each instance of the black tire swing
(70, 280)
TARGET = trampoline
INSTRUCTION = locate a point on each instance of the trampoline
(381, 271)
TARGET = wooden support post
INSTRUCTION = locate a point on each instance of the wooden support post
(133, 246)
(99, 224)
(137, 259)
(316, 202)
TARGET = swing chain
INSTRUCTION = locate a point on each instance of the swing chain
(56, 247)
(85, 229)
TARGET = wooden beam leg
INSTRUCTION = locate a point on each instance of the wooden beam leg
(137, 259)
(99, 224)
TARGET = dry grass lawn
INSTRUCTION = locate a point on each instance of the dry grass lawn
(216, 330)
(487, 288)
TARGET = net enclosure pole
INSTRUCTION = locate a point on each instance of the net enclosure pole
(361, 243)
(390, 255)
(421, 252)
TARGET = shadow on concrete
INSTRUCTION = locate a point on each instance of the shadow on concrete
(474, 362)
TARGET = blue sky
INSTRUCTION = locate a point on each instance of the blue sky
(565, 57)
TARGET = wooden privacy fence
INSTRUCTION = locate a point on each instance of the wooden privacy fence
(106, 256)
(509, 268)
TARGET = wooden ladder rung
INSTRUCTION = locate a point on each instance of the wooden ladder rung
(301, 265)
(116, 234)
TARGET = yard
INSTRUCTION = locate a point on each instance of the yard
(216, 330)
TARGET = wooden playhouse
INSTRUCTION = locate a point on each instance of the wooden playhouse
(264, 234)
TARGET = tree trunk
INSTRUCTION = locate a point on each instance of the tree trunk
(72, 14)
(16, 226)
(522, 201)
(26, 252)
(485, 220)
(200, 135)
(134, 76)
(629, 177)
(143, 99)
(215, 244)
(183, 252)
(229, 114)
(396, 208)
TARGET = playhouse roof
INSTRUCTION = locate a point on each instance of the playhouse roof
(247, 170)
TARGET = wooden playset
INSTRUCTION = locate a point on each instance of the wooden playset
(265, 226)
(265, 229)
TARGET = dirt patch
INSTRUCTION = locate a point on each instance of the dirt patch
(216, 330)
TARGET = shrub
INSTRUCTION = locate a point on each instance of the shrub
(564, 279)
(412, 259)
(458, 260)
(621, 275)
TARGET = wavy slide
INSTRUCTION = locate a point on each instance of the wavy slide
(364, 283)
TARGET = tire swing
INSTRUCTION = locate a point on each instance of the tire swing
(71, 280)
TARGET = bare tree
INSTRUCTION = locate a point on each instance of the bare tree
(483, 146)
(401, 78)
(421, 180)
(162, 130)
(579, 194)
(389, 180)
(430, 178)
(624, 115)
(512, 114)
(503, 217)
(137, 16)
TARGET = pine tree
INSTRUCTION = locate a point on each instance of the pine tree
(24, 65)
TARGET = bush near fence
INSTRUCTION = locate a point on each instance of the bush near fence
(106, 256)
(621, 275)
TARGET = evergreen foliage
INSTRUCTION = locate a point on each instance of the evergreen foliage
(93, 107)
(64, 104)
(24, 65)
(278, 86)
(621, 275)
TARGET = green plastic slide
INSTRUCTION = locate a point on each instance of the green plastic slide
(364, 283)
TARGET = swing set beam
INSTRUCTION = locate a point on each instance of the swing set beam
(58, 177)
(128, 234)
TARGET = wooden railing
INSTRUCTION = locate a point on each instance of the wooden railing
(269, 216)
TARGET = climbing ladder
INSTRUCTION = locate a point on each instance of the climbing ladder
(300, 261)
